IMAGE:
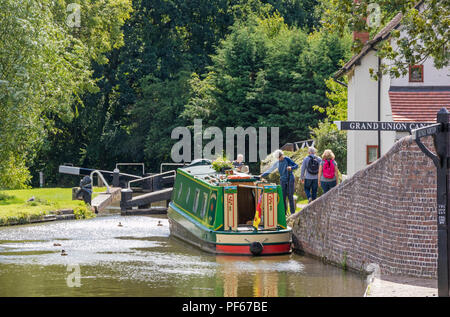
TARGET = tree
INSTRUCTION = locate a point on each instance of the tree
(327, 136)
(267, 74)
(336, 110)
(425, 30)
(44, 70)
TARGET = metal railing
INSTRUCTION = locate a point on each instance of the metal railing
(149, 177)
(304, 143)
(102, 178)
(171, 164)
(132, 164)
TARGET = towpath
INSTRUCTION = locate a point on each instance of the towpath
(401, 286)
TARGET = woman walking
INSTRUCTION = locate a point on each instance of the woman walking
(328, 171)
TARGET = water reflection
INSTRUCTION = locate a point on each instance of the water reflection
(141, 259)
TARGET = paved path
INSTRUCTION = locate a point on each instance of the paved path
(400, 286)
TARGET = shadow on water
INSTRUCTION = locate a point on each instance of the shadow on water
(140, 258)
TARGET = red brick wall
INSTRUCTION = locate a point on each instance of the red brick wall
(384, 214)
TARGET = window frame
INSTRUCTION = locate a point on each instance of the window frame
(368, 147)
(411, 67)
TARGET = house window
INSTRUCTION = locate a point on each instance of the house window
(372, 153)
(416, 73)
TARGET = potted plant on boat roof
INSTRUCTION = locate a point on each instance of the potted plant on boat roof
(222, 164)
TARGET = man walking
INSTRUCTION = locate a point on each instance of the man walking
(285, 167)
(309, 174)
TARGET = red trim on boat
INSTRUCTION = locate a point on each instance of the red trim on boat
(245, 249)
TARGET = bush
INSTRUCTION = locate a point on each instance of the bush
(298, 157)
(327, 136)
(220, 163)
(4, 197)
(83, 212)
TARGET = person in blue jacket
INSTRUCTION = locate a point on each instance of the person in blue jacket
(285, 167)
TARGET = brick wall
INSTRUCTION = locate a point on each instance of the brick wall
(384, 214)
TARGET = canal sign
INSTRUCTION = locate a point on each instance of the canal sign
(440, 133)
(380, 126)
(426, 131)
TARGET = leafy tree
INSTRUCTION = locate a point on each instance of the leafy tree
(267, 74)
(40, 71)
(424, 30)
(299, 13)
(336, 110)
(44, 70)
(147, 67)
(327, 136)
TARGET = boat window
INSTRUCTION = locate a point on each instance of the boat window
(197, 194)
(205, 201)
(188, 193)
(180, 190)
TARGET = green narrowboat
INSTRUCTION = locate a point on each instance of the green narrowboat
(216, 212)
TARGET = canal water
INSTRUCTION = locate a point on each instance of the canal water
(140, 258)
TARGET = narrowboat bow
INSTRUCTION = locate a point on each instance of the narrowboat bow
(228, 214)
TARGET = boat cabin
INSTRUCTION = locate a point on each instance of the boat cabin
(224, 202)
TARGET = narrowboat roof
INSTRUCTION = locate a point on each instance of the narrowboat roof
(200, 170)
(207, 174)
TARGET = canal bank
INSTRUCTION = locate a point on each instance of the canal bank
(401, 286)
(384, 215)
(41, 205)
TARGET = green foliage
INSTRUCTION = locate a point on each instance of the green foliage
(425, 34)
(337, 101)
(267, 74)
(14, 206)
(327, 136)
(44, 68)
(274, 177)
(13, 172)
(38, 202)
(230, 62)
(221, 162)
(83, 212)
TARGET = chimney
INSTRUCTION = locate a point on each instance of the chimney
(363, 36)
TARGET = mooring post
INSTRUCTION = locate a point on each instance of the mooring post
(442, 148)
(116, 181)
(126, 195)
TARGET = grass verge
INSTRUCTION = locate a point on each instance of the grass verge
(15, 207)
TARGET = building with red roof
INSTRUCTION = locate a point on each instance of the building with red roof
(416, 97)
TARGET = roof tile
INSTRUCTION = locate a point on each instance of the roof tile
(417, 106)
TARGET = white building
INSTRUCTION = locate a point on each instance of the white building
(416, 97)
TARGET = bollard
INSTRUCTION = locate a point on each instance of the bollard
(41, 179)
(157, 183)
(116, 181)
(85, 190)
(125, 196)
